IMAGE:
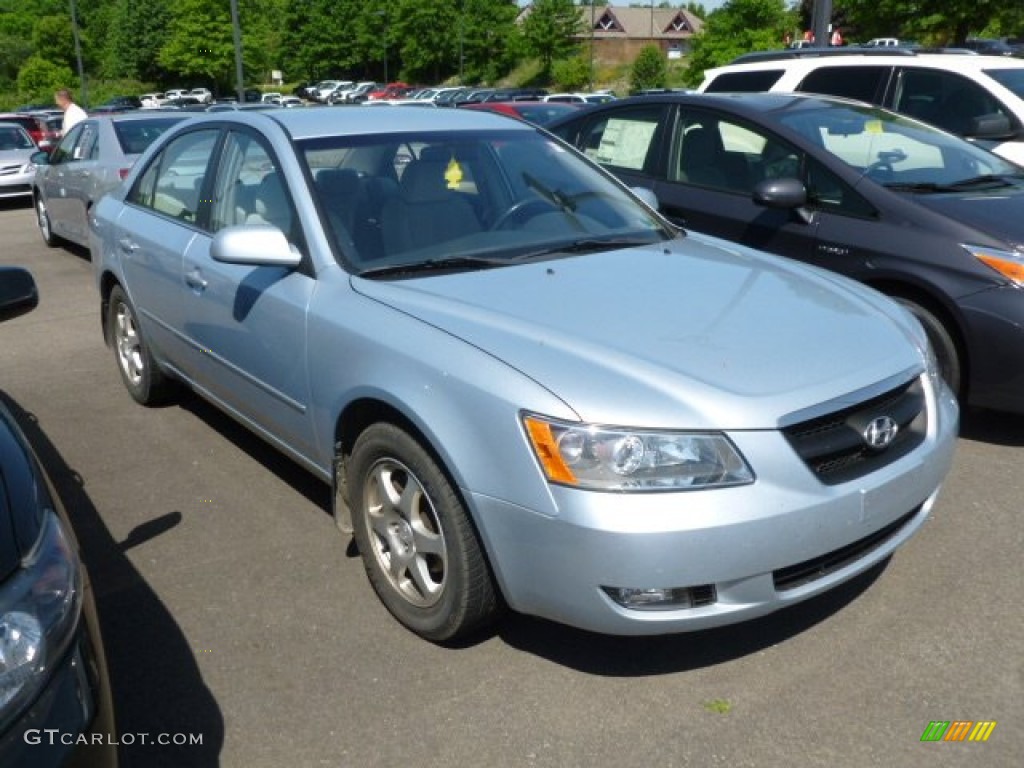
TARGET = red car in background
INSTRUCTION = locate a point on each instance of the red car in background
(396, 90)
(37, 127)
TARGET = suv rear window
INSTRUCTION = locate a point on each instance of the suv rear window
(745, 82)
(861, 83)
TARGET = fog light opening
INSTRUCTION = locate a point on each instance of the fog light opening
(662, 598)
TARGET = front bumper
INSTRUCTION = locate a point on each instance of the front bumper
(16, 183)
(995, 328)
(759, 548)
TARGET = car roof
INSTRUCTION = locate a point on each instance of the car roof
(758, 106)
(314, 123)
(906, 59)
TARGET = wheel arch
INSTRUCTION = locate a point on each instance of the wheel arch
(354, 419)
(943, 311)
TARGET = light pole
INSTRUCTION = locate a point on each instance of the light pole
(78, 55)
(237, 31)
(384, 15)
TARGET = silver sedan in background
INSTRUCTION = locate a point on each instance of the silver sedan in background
(94, 157)
(16, 169)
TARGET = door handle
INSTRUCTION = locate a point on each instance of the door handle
(195, 280)
(128, 245)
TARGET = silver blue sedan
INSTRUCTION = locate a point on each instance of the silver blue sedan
(525, 388)
(94, 157)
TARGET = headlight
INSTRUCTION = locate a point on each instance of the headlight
(617, 459)
(1009, 264)
(39, 608)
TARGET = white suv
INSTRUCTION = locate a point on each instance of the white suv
(978, 97)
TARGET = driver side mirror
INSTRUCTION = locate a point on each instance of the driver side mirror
(994, 126)
(18, 292)
(784, 194)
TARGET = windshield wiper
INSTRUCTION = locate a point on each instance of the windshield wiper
(436, 265)
(989, 180)
(585, 245)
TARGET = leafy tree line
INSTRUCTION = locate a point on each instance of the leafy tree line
(167, 43)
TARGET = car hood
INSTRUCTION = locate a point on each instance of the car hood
(11, 156)
(695, 333)
(997, 213)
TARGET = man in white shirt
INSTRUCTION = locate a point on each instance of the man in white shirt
(72, 112)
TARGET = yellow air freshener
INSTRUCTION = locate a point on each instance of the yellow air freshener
(453, 173)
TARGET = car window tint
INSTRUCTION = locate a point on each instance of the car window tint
(625, 138)
(173, 180)
(828, 192)
(861, 83)
(735, 82)
(86, 143)
(945, 99)
(250, 187)
(64, 152)
(12, 137)
(1013, 79)
(729, 156)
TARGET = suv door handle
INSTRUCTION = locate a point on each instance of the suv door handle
(128, 245)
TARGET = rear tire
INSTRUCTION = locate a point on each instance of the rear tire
(419, 548)
(143, 379)
(946, 350)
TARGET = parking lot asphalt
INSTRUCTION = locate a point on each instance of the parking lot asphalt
(232, 608)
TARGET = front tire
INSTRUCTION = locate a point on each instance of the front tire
(947, 353)
(143, 379)
(419, 548)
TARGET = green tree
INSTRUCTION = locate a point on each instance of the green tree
(53, 40)
(737, 27)
(39, 78)
(199, 44)
(649, 70)
(941, 22)
(138, 32)
(550, 30)
(571, 74)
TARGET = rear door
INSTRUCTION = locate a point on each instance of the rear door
(77, 181)
(156, 229)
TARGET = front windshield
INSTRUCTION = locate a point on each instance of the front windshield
(897, 151)
(467, 199)
(12, 137)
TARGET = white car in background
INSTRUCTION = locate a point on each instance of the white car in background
(152, 100)
(204, 95)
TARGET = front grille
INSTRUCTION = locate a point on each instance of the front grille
(704, 594)
(797, 575)
(834, 448)
(6, 190)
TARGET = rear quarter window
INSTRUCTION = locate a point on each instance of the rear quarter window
(861, 83)
(745, 82)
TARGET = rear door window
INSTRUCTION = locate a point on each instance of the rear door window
(628, 139)
(865, 83)
(746, 82)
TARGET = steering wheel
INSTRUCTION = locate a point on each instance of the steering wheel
(880, 169)
(524, 210)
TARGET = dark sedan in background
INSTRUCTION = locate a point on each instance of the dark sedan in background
(93, 158)
(915, 212)
(55, 701)
(536, 112)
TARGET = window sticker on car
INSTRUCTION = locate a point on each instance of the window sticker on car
(624, 144)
